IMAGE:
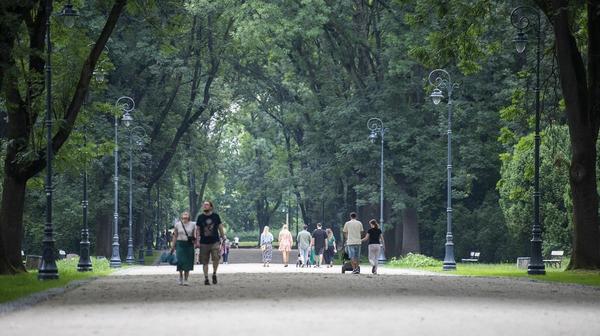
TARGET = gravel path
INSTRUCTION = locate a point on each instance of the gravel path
(254, 300)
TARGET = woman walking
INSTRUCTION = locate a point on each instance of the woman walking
(331, 248)
(375, 239)
(266, 245)
(285, 244)
(225, 246)
(183, 244)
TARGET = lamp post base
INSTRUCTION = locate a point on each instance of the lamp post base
(449, 261)
(48, 271)
(536, 264)
(115, 260)
(84, 264)
(536, 269)
(130, 258)
(381, 259)
(450, 266)
(48, 275)
(141, 260)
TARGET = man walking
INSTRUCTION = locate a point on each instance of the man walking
(352, 235)
(319, 243)
(210, 229)
(304, 240)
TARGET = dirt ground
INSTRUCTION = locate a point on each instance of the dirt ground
(253, 300)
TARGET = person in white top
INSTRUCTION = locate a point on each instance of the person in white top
(352, 235)
(183, 242)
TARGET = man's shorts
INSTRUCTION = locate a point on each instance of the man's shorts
(353, 251)
(210, 251)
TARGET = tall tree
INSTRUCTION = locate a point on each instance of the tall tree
(22, 92)
(581, 90)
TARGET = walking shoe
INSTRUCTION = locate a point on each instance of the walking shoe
(214, 279)
(355, 271)
(185, 283)
(373, 270)
(180, 282)
(206, 282)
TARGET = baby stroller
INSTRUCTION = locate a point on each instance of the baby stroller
(346, 264)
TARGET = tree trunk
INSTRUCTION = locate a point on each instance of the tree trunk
(580, 90)
(397, 240)
(11, 225)
(23, 119)
(582, 177)
(200, 195)
(104, 223)
(410, 231)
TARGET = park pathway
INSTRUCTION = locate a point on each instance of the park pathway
(254, 300)
(254, 255)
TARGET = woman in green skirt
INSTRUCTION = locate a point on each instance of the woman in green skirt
(183, 244)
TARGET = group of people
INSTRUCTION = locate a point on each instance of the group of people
(319, 247)
(207, 235)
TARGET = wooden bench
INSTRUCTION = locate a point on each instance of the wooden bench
(474, 257)
(555, 260)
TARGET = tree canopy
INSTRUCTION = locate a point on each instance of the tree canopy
(262, 106)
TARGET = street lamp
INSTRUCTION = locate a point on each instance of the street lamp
(47, 269)
(84, 264)
(127, 120)
(520, 20)
(126, 104)
(441, 79)
(375, 125)
(130, 253)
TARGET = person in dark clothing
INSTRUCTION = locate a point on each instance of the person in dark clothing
(169, 237)
(209, 229)
(375, 238)
(319, 243)
(331, 249)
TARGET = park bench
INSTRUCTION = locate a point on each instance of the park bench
(555, 260)
(474, 257)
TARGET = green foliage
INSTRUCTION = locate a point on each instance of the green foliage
(414, 260)
(285, 128)
(516, 189)
(13, 287)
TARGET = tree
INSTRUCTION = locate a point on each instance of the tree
(23, 90)
(581, 90)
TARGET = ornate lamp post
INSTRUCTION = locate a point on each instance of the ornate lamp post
(126, 104)
(47, 269)
(140, 143)
(441, 79)
(519, 19)
(84, 264)
(130, 258)
(375, 125)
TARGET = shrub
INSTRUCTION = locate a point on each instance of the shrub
(415, 260)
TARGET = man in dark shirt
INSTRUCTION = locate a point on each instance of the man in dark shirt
(209, 230)
(319, 243)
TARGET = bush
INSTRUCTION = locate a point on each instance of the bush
(415, 260)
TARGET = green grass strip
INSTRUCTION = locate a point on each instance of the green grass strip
(590, 278)
(17, 286)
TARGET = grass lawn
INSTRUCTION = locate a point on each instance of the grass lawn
(591, 278)
(16, 286)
